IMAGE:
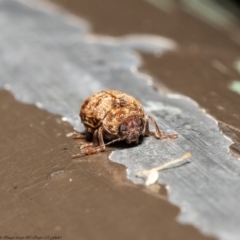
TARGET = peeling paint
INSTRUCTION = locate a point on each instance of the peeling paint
(63, 64)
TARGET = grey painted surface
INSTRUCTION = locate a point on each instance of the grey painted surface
(49, 60)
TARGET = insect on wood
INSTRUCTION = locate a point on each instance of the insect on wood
(110, 116)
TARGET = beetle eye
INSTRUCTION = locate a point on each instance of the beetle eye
(123, 128)
(139, 122)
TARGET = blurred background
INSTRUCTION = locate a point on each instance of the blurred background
(180, 58)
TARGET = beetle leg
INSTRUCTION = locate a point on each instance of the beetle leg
(92, 150)
(77, 155)
(98, 143)
(93, 143)
(157, 133)
(146, 127)
(78, 135)
(87, 135)
(96, 146)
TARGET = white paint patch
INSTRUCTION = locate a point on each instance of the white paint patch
(154, 106)
(140, 42)
(59, 64)
(7, 87)
(71, 59)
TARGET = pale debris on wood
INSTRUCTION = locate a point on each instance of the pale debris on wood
(70, 134)
(152, 175)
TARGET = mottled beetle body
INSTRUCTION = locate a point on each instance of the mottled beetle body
(109, 109)
(114, 116)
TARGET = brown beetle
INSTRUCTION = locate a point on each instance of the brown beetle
(114, 116)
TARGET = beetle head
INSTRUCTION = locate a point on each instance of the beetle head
(131, 129)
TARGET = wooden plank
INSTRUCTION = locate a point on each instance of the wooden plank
(54, 63)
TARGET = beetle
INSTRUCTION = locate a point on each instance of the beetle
(110, 116)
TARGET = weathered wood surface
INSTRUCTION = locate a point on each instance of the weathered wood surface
(52, 61)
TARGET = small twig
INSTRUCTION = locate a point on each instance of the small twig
(152, 174)
(166, 165)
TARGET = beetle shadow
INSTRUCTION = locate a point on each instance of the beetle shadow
(123, 145)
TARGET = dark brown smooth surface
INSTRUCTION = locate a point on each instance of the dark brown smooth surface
(45, 193)
(201, 68)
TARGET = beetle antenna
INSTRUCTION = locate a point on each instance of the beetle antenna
(115, 140)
